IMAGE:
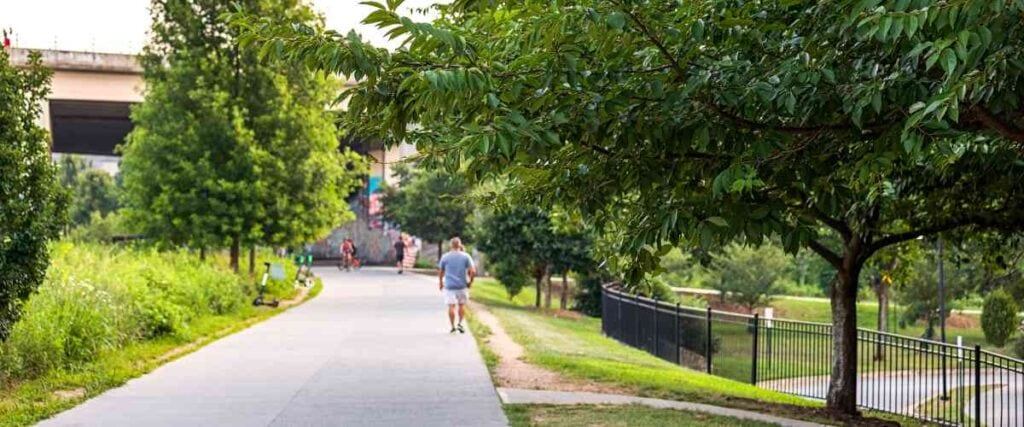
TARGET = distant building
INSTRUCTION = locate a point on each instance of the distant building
(88, 110)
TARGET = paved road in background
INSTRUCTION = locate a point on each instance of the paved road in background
(918, 392)
(372, 349)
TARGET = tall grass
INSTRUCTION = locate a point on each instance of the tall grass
(99, 298)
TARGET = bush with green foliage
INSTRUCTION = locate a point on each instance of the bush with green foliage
(101, 228)
(999, 318)
(588, 293)
(99, 298)
(749, 275)
(32, 203)
(1018, 347)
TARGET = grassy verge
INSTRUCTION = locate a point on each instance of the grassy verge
(106, 315)
(575, 347)
(631, 415)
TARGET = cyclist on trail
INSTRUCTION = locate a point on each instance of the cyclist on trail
(348, 250)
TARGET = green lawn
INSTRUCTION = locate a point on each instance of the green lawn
(576, 347)
(28, 402)
(609, 416)
(867, 317)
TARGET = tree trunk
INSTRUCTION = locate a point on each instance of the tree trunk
(202, 254)
(252, 259)
(235, 250)
(842, 391)
(547, 297)
(538, 279)
(564, 303)
(882, 292)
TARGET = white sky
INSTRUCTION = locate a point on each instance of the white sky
(119, 26)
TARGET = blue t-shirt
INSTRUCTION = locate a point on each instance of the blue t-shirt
(456, 266)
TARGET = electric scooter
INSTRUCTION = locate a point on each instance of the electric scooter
(277, 273)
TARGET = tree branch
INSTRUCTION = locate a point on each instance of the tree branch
(829, 255)
(1004, 129)
(892, 239)
(833, 223)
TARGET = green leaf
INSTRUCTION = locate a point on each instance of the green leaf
(948, 61)
(617, 20)
(719, 221)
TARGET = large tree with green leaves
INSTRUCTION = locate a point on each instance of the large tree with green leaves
(518, 241)
(841, 127)
(430, 204)
(229, 151)
(32, 202)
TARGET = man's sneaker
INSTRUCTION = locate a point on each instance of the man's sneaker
(461, 329)
(452, 331)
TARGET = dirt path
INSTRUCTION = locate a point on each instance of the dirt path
(513, 372)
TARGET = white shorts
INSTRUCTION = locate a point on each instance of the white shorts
(456, 296)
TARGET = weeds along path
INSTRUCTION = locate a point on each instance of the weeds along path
(372, 349)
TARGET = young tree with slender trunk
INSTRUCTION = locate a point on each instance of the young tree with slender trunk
(228, 150)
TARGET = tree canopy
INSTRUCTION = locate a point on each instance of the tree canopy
(229, 151)
(841, 127)
(33, 205)
(433, 205)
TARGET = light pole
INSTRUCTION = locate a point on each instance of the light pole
(942, 314)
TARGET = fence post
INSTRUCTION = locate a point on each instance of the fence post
(636, 320)
(655, 310)
(753, 370)
(679, 353)
(618, 304)
(977, 385)
(707, 345)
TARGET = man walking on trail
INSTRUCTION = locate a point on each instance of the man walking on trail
(456, 276)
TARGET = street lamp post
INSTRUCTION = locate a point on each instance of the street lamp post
(942, 314)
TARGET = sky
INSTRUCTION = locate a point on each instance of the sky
(119, 26)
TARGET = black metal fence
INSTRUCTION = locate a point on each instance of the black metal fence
(928, 380)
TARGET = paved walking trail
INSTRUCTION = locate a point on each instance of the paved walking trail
(372, 349)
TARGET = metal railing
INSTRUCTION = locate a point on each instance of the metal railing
(927, 380)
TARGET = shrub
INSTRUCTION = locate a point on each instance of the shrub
(511, 276)
(588, 293)
(749, 275)
(99, 298)
(101, 228)
(998, 318)
(1018, 347)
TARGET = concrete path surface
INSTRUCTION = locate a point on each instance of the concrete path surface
(514, 396)
(372, 349)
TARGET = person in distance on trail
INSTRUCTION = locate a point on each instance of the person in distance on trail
(400, 253)
(456, 273)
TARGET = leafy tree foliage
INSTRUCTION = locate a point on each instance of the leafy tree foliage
(517, 240)
(749, 275)
(697, 123)
(227, 150)
(94, 191)
(32, 202)
(999, 318)
(430, 204)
